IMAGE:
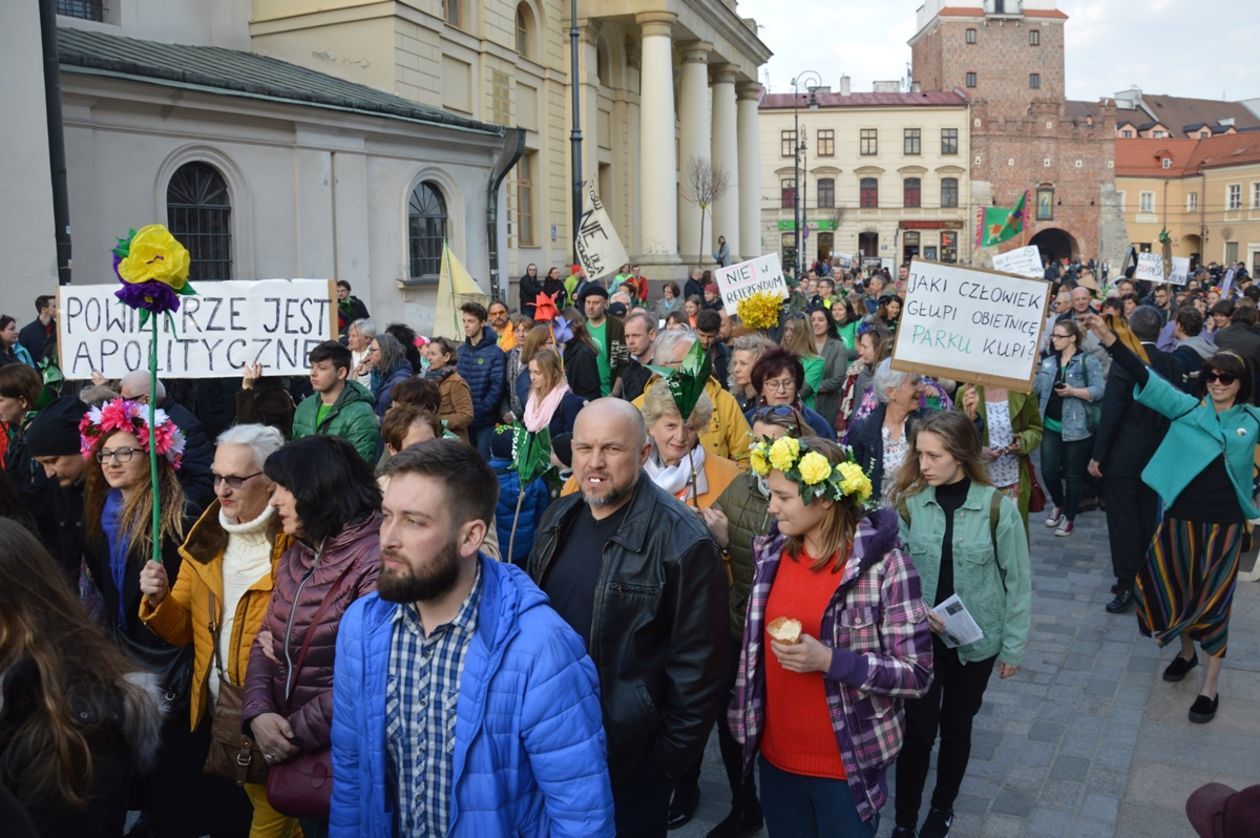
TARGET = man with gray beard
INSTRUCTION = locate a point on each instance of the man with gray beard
(637, 575)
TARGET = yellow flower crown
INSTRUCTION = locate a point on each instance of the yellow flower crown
(810, 470)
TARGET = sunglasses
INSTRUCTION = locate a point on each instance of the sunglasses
(1222, 377)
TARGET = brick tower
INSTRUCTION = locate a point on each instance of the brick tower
(1007, 57)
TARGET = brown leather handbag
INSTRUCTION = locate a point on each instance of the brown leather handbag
(232, 754)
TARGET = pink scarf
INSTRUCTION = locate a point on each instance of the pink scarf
(538, 412)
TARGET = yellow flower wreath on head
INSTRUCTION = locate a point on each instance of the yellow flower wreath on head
(784, 452)
(814, 468)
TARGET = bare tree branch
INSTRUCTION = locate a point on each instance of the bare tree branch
(704, 184)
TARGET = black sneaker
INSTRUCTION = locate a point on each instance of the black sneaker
(740, 823)
(902, 832)
(1204, 709)
(936, 824)
(682, 806)
(1177, 670)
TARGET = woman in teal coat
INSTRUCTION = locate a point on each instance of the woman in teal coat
(965, 537)
(1203, 472)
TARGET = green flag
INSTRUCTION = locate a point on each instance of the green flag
(999, 223)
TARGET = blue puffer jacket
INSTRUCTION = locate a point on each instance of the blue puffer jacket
(481, 365)
(383, 387)
(530, 753)
(532, 508)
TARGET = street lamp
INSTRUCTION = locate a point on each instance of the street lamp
(798, 209)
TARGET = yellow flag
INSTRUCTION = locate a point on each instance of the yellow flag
(455, 287)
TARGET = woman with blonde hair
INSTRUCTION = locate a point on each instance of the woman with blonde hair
(835, 640)
(746, 350)
(678, 463)
(551, 404)
(968, 541)
(798, 339)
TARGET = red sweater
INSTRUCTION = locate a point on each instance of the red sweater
(799, 737)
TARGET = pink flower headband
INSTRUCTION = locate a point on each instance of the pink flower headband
(124, 415)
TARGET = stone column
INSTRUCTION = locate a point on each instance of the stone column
(658, 208)
(749, 173)
(726, 158)
(693, 143)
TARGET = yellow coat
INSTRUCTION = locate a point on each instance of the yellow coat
(184, 616)
(728, 433)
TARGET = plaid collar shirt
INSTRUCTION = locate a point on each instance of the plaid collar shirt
(421, 696)
(877, 612)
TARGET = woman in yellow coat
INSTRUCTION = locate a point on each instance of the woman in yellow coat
(229, 562)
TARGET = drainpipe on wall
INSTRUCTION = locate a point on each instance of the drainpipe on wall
(513, 148)
(56, 138)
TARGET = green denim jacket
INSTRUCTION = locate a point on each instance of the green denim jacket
(997, 590)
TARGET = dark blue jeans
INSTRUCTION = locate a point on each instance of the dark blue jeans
(1063, 468)
(796, 806)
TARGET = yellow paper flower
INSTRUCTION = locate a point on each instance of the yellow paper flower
(759, 310)
(155, 255)
(757, 460)
(784, 452)
(853, 481)
(814, 468)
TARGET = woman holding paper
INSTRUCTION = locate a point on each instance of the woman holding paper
(965, 538)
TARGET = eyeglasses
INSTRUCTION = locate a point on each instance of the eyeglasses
(1060, 337)
(234, 482)
(1212, 377)
(118, 455)
(779, 386)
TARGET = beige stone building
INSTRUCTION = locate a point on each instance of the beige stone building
(661, 82)
(885, 175)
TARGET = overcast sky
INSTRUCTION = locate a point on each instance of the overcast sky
(1199, 48)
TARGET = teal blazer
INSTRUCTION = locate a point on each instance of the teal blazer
(1198, 435)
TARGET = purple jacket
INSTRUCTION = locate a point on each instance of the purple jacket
(881, 645)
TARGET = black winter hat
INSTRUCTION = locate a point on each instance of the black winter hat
(55, 431)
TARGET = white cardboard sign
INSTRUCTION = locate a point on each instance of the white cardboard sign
(765, 273)
(1025, 261)
(971, 325)
(273, 322)
(1150, 268)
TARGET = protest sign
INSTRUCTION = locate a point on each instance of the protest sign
(765, 273)
(1180, 270)
(1024, 261)
(1150, 268)
(273, 322)
(971, 325)
(599, 250)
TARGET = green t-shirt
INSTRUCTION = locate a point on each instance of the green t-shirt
(321, 415)
(600, 335)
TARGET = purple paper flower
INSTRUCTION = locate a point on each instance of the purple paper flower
(155, 297)
(561, 330)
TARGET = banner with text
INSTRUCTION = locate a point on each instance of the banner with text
(1150, 267)
(743, 279)
(971, 325)
(273, 322)
(598, 247)
(1025, 261)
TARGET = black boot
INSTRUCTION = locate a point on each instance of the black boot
(683, 805)
(742, 821)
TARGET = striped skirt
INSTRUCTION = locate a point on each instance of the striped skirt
(1187, 583)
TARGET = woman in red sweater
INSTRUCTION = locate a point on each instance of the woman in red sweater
(824, 710)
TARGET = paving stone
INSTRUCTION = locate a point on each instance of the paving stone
(1011, 802)
(1046, 731)
(1070, 768)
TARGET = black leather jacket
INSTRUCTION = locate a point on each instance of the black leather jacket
(659, 637)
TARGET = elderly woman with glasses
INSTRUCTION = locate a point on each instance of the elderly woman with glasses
(678, 463)
(881, 438)
(778, 377)
(1069, 384)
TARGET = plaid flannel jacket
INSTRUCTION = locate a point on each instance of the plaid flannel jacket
(878, 614)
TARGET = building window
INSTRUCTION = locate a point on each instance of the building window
(83, 9)
(787, 143)
(909, 245)
(787, 194)
(1231, 252)
(1233, 198)
(1255, 195)
(1165, 163)
(1122, 200)
(524, 30)
(1192, 201)
(1146, 202)
(911, 192)
(949, 247)
(1034, 37)
(970, 36)
(199, 214)
(1045, 204)
(826, 192)
(426, 230)
(826, 143)
(1034, 81)
(1127, 133)
(869, 141)
(451, 12)
(949, 192)
(971, 79)
(868, 190)
(949, 141)
(525, 199)
(912, 142)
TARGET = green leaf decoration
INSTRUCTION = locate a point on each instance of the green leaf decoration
(532, 452)
(123, 249)
(144, 317)
(187, 290)
(687, 382)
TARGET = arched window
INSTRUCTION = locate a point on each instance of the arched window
(826, 192)
(868, 192)
(601, 63)
(426, 229)
(911, 192)
(949, 192)
(199, 214)
(524, 30)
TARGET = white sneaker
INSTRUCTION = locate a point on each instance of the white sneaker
(1065, 529)
(1056, 517)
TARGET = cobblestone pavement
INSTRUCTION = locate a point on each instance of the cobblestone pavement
(1088, 740)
